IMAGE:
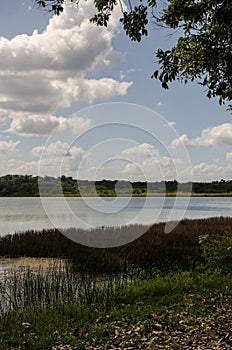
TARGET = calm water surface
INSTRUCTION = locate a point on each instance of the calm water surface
(20, 214)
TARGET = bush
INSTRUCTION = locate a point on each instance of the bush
(216, 251)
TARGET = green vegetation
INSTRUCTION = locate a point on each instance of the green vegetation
(28, 185)
(19, 185)
(156, 304)
(202, 51)
(176, 311)
(178, 249)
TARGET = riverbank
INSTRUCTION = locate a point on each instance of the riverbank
(28, 185)
(163, 291)
(169, 194)
(110, 195)
(35, 264)
(179, 310)
(155, 248)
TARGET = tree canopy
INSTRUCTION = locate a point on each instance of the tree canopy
(28, 185)
(203, 51)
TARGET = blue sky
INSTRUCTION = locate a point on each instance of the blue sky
(54, 77)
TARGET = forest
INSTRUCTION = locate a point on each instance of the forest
(28, 185)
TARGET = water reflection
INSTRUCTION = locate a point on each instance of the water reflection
(19, 214)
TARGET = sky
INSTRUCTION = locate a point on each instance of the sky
(78, 100)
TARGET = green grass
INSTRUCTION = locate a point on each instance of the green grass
(174, 292)
(171, 310)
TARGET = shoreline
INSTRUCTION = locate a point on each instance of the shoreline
(150, 195)
(7, 263)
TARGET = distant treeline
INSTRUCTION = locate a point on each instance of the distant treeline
(28, 185)
(178, 249)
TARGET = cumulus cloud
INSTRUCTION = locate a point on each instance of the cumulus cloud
(8, 147)
(3, 120)
(181, 141)
(137, 163)
(16, 166)
(215, 170)
(146, 162)
(170, 124)
(214, 135)
(229, 156)
(142, 162)
(58, 158)
(58, 149)
(139, 152)
(44, 71)
(39, 125)
(146, 151)
(124, 73)
(210, 172)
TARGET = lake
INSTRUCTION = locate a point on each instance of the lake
(23, 213)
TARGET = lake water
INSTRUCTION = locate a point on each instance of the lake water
(20, 214)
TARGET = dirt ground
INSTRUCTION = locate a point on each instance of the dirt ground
(34, 263)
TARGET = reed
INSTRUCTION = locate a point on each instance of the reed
(108, 313)
(57, 285)
(157, 284)
(155, 249)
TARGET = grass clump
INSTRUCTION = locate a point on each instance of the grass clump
(151, 294)
(182, 310)
(178, 249)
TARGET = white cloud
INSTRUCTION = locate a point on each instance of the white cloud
(58, 149)
(15, 166)
(139, 152)
(216, 135)
(58, 158)
(142, 162)
(71, 163)
(229, 156)
(180, 142)
(44, 71)
(8, 147)
(161, 104)
(209, 172)
(139, 163)
(27, 5)
(213, 171)
(3, 120)
(68, 167)
(39, 125)
(146, 162)
(170, 124)
(124, 73)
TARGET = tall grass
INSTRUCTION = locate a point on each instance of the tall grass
(77, 302)
(179, 249)
(23, 286)
(99, 275)
(186, 307)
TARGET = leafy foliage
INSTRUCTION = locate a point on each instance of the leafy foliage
(203, 52)
(134, 22)
(55, 5)
(27, 185)
(217, 251)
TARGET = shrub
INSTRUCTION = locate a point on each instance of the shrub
(216, 251)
